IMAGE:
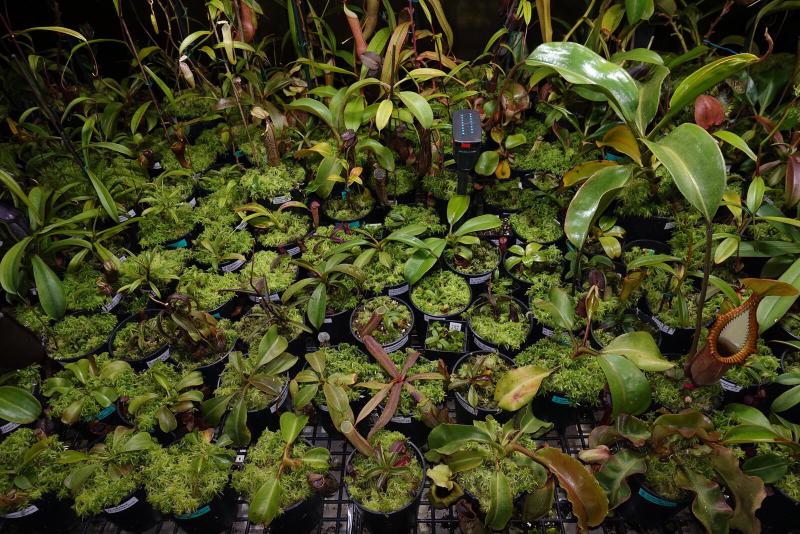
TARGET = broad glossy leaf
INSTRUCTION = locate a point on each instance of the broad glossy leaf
(621, 139)
(291, 426)
(236, 423)
(613, 474)
(726, 248)
(641, 349)
(166, 419)
(10, 266)
(49, 289)
(584, 170)
(709, 505)
(501, 502)
(748, 491)
(384, 113)
(266, 503)
(487, 163)
(707, 77)
(317, 304)
(317, 458)
(769, 467)
(450, 438)
(736, 141)
(592, 199)
(786, 400)
(419, 107)
(478, 224)
(630, 389)
(517, 387)
(772, 309)
(695, 162)
(457, 207)
(637, 10)
(18, 405)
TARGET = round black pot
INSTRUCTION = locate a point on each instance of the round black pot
(48, 514)
(160, 354)
(555, 409)
(466, 414)
(779, 511)
(477, 343)
(645, 507)
(779, 333)
(212, 370)
(212, 518)
(300, 517)
(421, 318)
(414, 429)
(760, 396)
(394, 345)
(657, 228)
(474, 280)
(231, 309)
(398, 291)
(352, 223)
(672, 339)
(269, 417)
(449, 358)
(399, 521)
(133, 513)
(276, 202)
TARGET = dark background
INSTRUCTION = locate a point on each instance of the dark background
(473, 22)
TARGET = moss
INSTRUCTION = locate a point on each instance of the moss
(138, 339)
(639, 198)
(507, 195)
(343, 297)
(26, 378)
(400, 489)
(159, 267)
(673, 391)
(261, 465)
(440, 337)
(232, 382)
(541, 284)
(579, 379)
(442, 185)
(224, 240)
(31, 317)
(790, 483)
(689, 239)
(506, 324)
(400, 182)
(379, 276)
(544, 157)
(550, 258)
(252, 327)
(790, 322)
(441, 293)
(189, 104)
(395, 323)
(404, 215)
(159, 229)
(44, 474)
(760, 368)
(113, 480)
(524, 476)
(351, 207)
(537, 223)
(479, 373)
(207, 288)
(533, 129)
(172, 481)
(218, 207)
(433, 390)
(485, 258)
(323, 240)
(76, 335)
(146, 417)
(193, 356)
(271, 182)
(292, 227)
(348, 359)
(654, 286)
(662, 473)
(82, 288)
(277, 269)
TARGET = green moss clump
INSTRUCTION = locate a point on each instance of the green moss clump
(277, 269)
(404, 215)
(219, 240)
(402, 181)
(146, 417)
(506, 324)
(654, 287)
(189, 104)
(441, 338)
(44, 474)
(207, 288)
(252, 327)
(158, 267)
(159, 229)
(291, 227)
(506, 195)
(579, 379)
(263, 461)
(396, 319)
(639, 198)
(138, 339)
(82, 289)
(348, 359)
(271, 182)
(523, 476)
(541, 284)
(26, 378)
(442, 185)
(76, 335)
(544, 157)
(662, 473)
(433, 390)
(352, 207)
(323, 240)
(205, 150)
(485, 258)
(114, 478)
(670, 391)
(400, 489)
(441, 293)
(31, 317)
(379, 276)
(232, 382)
(173, 484)
(760, 368)
(537, 223)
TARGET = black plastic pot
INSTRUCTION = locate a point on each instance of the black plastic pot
(672, 339)
(277, 201)
(160, 354)
(133, 513)
(779, 511)
(97, 350)
(647, 508)
(231, 309)
(474, 280)
(477, 343)
(465, 413)
(48, 514)
(352, 223)
(414, 429)
(760, 396)
(300, 517)
(657, 228)
(449, 358)
(269, 417)
(398, 521)
(421, 318)
(213, 517)
(398, 291)
(556, 409)
(337, 326)
(395, 345)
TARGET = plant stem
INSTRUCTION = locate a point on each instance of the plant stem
(701, 299)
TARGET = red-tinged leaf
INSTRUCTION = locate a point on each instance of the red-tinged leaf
(381, 356)
(388, 410)
(373, 402)
(589, 501)
(792, 180)
(709, 506)
(708, 112)
(748, 491)
(769, 126)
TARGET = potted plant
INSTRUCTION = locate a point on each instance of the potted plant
(270, 270)
(212, 292)
(537, 222)
(222, 247)
(474, 382)
(502, 464)
(189, 481)
(279, 230)
(169, 220)
(440, 295)
(251, 390)
(445, 340)
(751, 383)
(160, 395)
(388, 320)
(403, 215)
(274, 185)
(284, 478)
(353, 203)
(498, 322)
(33, 493)
(78, 336)
(107, 479)
(19, 388)
(152, 270)
(523, 264)
(84, 392)
(138, 340)
(268, 311)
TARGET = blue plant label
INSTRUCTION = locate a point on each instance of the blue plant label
(238, 153)
(179, 244)
(197, 513)
(105, 412)
(555, 399)
(646, 495)
(612, 157)
(217, 315)
(355, 224)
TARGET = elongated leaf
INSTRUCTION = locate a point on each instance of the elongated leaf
(106, 200)
(266, 503)
(191, 38)
(709, 505)
(786, 400)
(7, 180)
(419, 107)
(18, 405)
(621, 139)
(707, 77)
(57, 29)
(478, 224)
(613, 474)
(637, 10)
(748, 491)
(236, 423)
(487, 163)
(316, 306)
(517, 387)
(384, 113)
(160, 83)
(450, 438)
(591, 200)
(580, 65)
(772, 309)
(49, 288)
(10, 265)
(291, 426)
(696, 164)
(736, 141)
(457, 207)
(650, 96)
(630, 389)
(501, 504)
(641, 349)
(584, 170)
(314, 107)
(768, 467)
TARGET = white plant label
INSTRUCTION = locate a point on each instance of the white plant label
(122, 507)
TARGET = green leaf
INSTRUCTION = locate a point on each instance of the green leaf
(613, 474)
(384, 155)
(18, 405)
(191, 38)
(641, 349)
(317, 304)
(270, 346)
(487, 163)
(696, 164)
(637, 10)
(10, 266)
(291, 426)
(266, 503)
(138, 442)
(317, 458)
(630, 389)
(769, 467)
(748, 491)
(8, 180)
(650, 96)
(580, 65)
(786, 400)
(314, 107)
(639, 55)
(737, 142)
(478, 224)
(49, 288)
(422, 260)
(160, 83)
(56, 29)
(501, 504)
(106, 200)
(591, 199)
(705, 78)
(457, 207)
(709, 506)
(236, 424)
(449, 438)
(352, 113)
(166, 419)
(137, 116)
(419, 107)
(384, 113)
(772, 309)
(755, 194)
(517, 387)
